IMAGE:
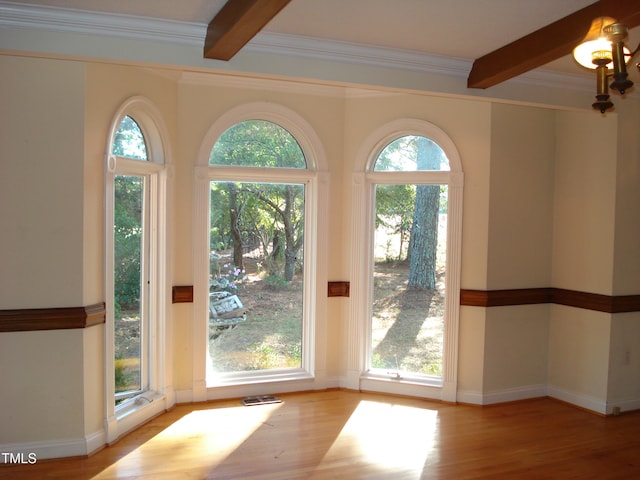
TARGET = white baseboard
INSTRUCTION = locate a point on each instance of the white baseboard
(31, 452)
(594, 404)
(96, 441)
(385, 385)
(587, 402)
(469, 396)
(487, 398)
(236, 391)
(514, 394)
(243, 390)
(625, 405)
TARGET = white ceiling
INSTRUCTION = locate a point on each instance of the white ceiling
(465, 29)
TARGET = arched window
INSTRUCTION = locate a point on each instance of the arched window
(411, 153)
(135, 263)
(407, 309)
(255, 299)
(128, 141)
(257, 143)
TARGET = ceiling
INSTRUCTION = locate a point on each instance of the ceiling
(463, 29)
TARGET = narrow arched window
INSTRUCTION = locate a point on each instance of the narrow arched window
(410, 245)
(135, 259)
(409, 305)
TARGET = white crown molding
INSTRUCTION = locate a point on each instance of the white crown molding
(555, 79)
(67, 20)
(355, 53)
(399, 59)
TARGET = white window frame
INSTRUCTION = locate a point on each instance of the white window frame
(156, 353)
(364, 181)
(207, 386)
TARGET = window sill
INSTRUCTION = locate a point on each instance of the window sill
(414, 386)
(409, 379)
(137, 410)
(258, 377)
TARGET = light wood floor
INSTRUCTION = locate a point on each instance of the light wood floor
(349, 435)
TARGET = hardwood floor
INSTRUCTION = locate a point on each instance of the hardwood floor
(349, 435)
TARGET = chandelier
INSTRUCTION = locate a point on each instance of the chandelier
(603, 45)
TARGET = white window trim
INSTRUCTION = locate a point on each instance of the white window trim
(159, 395)
(314, 177)
(363, 184)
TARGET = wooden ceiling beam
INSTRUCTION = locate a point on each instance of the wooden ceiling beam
(237, 22)
(549, 43)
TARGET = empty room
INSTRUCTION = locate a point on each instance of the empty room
(337, 239)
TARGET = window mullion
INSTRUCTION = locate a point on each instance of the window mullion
(147, 264)
(426, 178)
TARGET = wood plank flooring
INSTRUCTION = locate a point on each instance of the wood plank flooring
(350, 435)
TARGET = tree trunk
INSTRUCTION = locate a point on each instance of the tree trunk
(274, 259)
(290, 248)
(423, 243)
(234, 215)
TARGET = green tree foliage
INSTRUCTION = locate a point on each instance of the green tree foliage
(127, 240)
(273, 213)
(394, 211)
(129, 141)
(286, 203)
(257, 143)
(128, 203)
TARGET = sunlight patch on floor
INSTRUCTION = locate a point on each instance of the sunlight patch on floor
(387, 438)
(215, 433)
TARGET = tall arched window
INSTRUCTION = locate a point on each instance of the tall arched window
(256, 249)
(406, 303)
(135, 286)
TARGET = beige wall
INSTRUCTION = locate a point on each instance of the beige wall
(521, 197)
(624, 362)
(516, 351)
(584, 205)
(583, 253)
(42, 387)
(471, 354)
(579, 355)
(41, 177)
(627, 215)
(55, 119)
(41, 207)
(521, 186)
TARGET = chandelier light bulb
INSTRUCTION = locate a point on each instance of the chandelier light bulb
(584, 53)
